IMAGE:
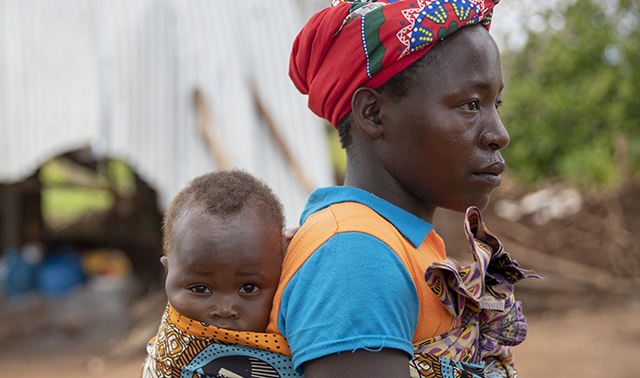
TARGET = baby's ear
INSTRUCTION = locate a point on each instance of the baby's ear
(365, 105)
(165, 262)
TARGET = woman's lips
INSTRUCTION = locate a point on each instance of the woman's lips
(492, 173)
(491, 178)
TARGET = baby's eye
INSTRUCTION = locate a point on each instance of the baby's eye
(472, 105)
(249, 289)
(200, 289)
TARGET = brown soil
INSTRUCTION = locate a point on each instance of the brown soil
(599, 344)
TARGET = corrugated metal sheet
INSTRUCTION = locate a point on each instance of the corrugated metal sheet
(120, 74)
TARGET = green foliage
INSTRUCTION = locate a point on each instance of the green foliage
(122, 177)
(62, 206)
(571, 92)
(71, 191)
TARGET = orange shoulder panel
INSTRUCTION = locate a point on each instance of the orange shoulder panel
(433, 318)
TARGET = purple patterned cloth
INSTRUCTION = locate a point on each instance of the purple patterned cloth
(481, 297)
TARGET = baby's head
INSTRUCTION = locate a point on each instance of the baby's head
(223, 250)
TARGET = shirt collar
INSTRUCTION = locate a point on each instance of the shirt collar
(410, 226)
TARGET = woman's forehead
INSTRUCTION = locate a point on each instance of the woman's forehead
(469, 55)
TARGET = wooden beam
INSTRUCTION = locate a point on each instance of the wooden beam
(206, 128)
(277, 136)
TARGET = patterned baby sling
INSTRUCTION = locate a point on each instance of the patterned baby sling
(479, 295)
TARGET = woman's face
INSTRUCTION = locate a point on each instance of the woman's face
(443, 138)
(224, 271)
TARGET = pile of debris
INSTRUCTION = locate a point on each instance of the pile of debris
(584, 247)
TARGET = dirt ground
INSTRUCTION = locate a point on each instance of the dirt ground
(600, 344)
(597, 344)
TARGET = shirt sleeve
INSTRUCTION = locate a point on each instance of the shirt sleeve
(352, 293)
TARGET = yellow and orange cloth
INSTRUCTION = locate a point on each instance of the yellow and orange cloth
(185, 348)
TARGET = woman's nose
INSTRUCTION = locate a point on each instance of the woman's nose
(495, 135)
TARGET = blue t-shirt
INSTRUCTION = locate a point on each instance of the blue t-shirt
(353, 292)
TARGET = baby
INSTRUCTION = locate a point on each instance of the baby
(223, 250)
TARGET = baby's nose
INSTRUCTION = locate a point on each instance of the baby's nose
(224, 309)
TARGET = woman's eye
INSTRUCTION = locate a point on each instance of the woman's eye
(249, 289)
(200, 289)
(498, 104)
(473, 105)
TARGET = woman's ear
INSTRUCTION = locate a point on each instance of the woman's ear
(365, 104)
(165, 262)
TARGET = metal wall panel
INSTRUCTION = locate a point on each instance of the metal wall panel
(120, 75)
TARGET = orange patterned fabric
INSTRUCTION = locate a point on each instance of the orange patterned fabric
(182, 342)
(266, 341)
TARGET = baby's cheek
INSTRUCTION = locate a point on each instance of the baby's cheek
(261, 314)
(179, 300)
(191, 309)
(176, 301)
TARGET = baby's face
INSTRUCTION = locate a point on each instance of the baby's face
(224, 272)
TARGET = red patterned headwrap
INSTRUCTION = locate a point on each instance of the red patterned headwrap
(355, 44)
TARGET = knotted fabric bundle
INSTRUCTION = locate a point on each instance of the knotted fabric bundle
(481, 295)
(355, 44)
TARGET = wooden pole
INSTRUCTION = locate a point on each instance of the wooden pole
(277, 136)
(207, 129)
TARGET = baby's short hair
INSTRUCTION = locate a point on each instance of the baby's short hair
(221, 194)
